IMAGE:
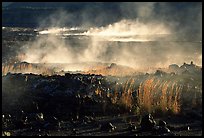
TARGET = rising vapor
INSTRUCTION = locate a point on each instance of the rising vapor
(149, 40)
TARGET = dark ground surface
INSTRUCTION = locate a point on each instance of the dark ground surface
(51, 106)
(177, 125)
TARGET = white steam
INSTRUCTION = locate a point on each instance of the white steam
(52, 49)
(48, 49)
(104, 46)
(129, 28)
(152, 39)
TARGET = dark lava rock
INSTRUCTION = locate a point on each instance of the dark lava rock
(36, 120)
(160, 130)
(156, 128)
(74, 131)
(49, 126)
(147, 123)
(108, 127)
(52, 119)
(132, 127)
(36, 117)
(194, 115)
(52, 123)
(21, 123)
(88, 119)
(7, 122)
(160, 73)
(162, 123)
(46, 134)
(164, 130)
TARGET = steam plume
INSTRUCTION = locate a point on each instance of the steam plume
(144, 38)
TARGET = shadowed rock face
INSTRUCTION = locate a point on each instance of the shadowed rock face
(147, 123)
(190, 68)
